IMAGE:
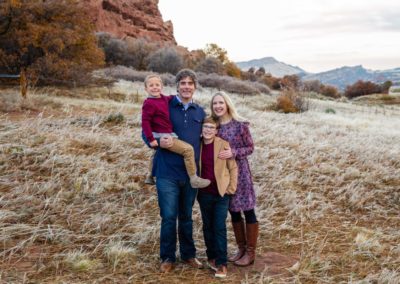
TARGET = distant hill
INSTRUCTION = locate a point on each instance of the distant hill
(341, 77)
(272, 66)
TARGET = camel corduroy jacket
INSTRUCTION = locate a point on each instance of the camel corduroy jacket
(225, 171)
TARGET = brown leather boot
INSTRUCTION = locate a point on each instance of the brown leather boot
(240, 236)
(250, 255)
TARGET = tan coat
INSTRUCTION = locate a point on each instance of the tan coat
(225, 171)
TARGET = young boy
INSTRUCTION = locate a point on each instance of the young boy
(214, 199)
(156, 124)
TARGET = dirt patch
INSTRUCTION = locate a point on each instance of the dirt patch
(270, 263)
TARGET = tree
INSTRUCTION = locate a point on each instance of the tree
(386, 86)
(52, 39)
(213, 50)
(260, 72)
(194, 57)
(5, 16)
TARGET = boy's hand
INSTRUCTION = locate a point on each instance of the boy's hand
(154, 144)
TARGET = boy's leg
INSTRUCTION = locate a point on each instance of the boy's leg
(186, 150)
(206, 202)
(220, 215)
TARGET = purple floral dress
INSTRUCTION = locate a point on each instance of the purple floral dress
(238, 135)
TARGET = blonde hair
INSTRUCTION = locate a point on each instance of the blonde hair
(148, 77)
(230, 107)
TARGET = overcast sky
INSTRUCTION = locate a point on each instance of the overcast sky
(316, 35)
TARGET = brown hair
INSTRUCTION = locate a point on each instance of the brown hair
(186, 73)
(210, 119)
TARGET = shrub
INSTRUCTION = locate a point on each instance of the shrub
(330, 110)
(290, 82)
(131, 52)
(361, 88)
(312, 86)
(139, 50)
(165, 60)
(272, 82)
(330, 91)
(115, 50)
(249, 75)
(240, 87)
(129, 74)
(210, 65)
(231, 84)
(232, 70)
(114, 118)
(290, 101)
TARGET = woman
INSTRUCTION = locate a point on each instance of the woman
(236, 131)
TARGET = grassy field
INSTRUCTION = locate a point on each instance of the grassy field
(74, 209)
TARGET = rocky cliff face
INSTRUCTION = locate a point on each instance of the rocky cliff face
(130, 18)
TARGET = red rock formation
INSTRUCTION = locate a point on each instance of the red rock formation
(130, 18)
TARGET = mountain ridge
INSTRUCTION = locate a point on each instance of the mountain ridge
(339, 77)
(272, 66)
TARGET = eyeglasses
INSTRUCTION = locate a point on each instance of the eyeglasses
(209, 127)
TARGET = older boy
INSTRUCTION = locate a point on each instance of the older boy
(214, 199)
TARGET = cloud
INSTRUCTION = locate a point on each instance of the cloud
(339, 22)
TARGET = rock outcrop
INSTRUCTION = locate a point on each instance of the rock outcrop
(130, 18)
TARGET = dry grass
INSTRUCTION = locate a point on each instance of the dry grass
(74, 209)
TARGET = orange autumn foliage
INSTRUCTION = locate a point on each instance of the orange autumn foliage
(54, 40)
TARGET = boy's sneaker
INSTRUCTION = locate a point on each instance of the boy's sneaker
(222, 271)
(198, 182)
(211, 264)
(150, 180)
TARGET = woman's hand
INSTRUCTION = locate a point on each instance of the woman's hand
(225, 154)
(166, 142)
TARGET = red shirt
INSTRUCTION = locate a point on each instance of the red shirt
(155, 116)
(207, 168)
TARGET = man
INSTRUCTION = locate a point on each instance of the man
(175, 195)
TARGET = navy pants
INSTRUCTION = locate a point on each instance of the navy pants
(214, 211)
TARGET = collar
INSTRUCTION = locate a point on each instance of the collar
(178, 102)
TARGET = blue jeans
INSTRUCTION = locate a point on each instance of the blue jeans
(214, 210)
(176, 199)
